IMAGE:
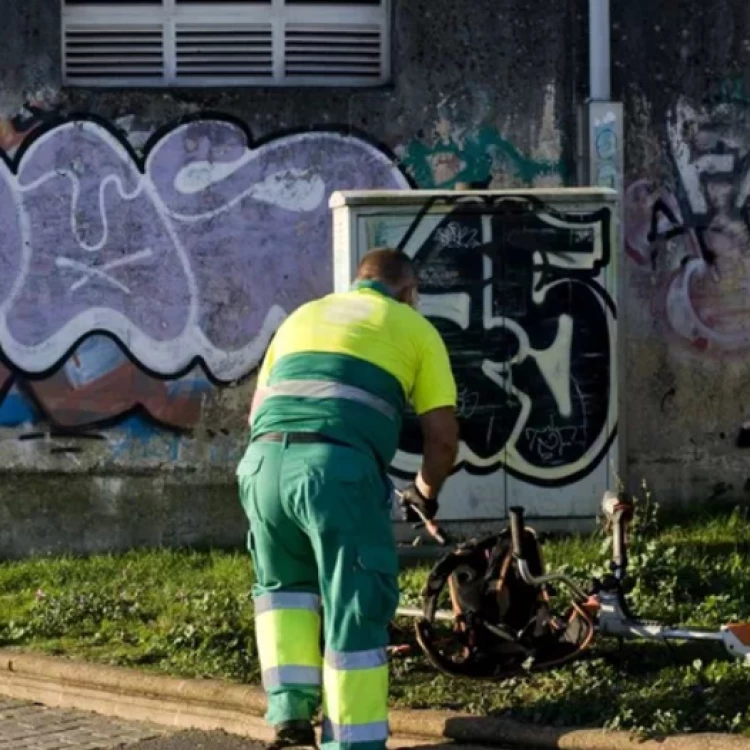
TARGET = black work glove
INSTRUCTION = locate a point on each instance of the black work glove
(412, 498)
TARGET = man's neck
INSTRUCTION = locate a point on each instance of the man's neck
(374, 284)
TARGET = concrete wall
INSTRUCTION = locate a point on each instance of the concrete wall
(137, 293)
(131, 321)
(683, 71)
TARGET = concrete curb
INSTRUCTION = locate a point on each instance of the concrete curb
(238, 709)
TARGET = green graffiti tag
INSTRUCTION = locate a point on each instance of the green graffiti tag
(480, 155)
(734, 91)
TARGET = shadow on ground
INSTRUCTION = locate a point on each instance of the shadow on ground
(196, 740)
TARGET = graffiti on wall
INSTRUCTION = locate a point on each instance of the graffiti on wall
(137, 283)
(606, 146)
(195, 257)
(691, 241)
(16, 128)
(134, 286)
(99, 384)
(734, 90)
(480, 156)
(515, 288)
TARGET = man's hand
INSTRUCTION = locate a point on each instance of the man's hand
(411, 498)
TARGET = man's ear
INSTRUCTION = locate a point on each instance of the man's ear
(407, 294)
(413, 297)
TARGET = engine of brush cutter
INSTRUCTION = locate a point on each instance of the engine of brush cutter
(501, 626)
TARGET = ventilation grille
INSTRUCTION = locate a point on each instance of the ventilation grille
(106, 52)
(229, 3)
(326, 50)
(225, 4)
(227, 51)
(227, 42)
(111, 3)
(334, 2)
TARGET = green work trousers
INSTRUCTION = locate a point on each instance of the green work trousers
(325, 561)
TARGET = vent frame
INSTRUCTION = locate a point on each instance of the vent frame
(236, 43)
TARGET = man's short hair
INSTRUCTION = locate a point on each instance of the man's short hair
(385, 264)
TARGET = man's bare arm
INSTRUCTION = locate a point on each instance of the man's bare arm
(440, 432)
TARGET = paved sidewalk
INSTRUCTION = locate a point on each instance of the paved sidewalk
(30, 726)
(194, 740)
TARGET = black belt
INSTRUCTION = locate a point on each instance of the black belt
(311, 437)
(299, 437)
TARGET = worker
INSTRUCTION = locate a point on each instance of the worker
(324, 426)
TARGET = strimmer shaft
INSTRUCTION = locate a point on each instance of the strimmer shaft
(418, 614)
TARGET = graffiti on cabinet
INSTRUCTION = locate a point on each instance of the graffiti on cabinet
(515, 288)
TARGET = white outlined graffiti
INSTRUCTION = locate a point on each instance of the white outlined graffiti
(194, 254)
(691, 242)
(531, 331)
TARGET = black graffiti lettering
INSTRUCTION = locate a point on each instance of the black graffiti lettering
(533, 357)
(679, 228)
(549, 443)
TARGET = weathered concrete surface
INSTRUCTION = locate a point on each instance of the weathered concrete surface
(55, 514)
(211, 705)
(480, 93)
(682, 71)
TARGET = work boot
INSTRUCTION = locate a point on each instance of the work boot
(293, 734)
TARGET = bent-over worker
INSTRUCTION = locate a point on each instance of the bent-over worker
(325, 423)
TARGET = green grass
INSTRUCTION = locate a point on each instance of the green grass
(190, 614)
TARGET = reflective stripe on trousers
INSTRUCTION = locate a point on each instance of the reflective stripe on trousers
(287, 627)
(355, 689)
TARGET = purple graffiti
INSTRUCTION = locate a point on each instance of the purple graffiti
(11, 262)
(199, 254)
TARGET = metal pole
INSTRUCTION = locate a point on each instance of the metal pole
(599, 50)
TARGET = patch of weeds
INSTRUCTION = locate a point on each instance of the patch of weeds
(190, 614)
(692, 572)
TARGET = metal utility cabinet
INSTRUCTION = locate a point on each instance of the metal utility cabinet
(523, 288)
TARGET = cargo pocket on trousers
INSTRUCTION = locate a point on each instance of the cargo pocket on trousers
(247, 478)
(376, 595)
(258, 574)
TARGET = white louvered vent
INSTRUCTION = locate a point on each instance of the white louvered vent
(337, 3)
(114, 50)
(226, 51)
(344, 51)
(225, 42)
